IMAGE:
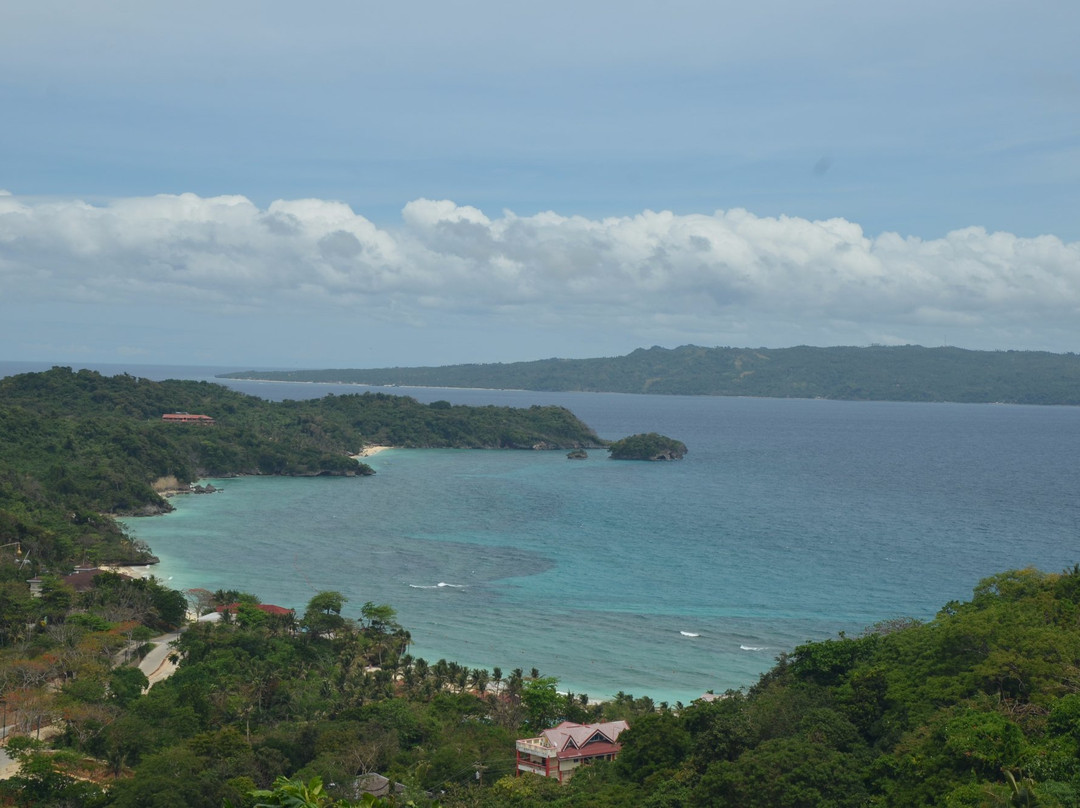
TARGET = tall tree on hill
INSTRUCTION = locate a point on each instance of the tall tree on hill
(323, 614)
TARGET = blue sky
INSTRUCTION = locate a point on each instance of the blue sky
(338, 183)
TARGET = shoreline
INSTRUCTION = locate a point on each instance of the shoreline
(407, 386)
(141, 571)
(368, 451)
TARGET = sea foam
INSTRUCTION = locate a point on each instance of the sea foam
(439, 585)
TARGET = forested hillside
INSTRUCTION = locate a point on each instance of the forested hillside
(878, 373)
(978, 707)
(76, 445)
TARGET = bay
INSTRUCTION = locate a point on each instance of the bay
(788, 520)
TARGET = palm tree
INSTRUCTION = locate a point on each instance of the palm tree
(480, 680)
(514, 682)
(461, 678)
(421, 669)
(440, 671)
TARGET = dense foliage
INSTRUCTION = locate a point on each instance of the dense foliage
(877, 373)
(978, 707)
(75, 445)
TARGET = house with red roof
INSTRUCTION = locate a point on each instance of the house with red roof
(187, 418)
(560, 750)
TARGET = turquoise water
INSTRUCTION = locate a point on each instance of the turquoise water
(788, 520)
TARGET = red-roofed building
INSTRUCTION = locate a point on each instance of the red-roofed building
(558, 751)
(187, 418)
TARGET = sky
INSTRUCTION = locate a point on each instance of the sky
(349, 184)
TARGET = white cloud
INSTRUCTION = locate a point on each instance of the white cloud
(680, 277)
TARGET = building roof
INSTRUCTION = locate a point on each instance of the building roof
(269, 608)
(376, 785)
(570, 739)
(83, 579)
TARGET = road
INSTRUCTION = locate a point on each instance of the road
(155, 665)
(8, 767)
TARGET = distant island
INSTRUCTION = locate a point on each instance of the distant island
(651, 446)
(876, 373)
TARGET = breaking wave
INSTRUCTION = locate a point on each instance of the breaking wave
(439, 585)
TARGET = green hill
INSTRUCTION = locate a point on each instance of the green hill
(878, 373)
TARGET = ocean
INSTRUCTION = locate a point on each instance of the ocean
(788, 520)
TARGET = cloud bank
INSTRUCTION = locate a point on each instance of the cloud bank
(683, 275)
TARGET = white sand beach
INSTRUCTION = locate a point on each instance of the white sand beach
(368, 451)
(142, 571)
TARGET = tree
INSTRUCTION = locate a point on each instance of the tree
(381, 618)
(542, 702)
(785, 773)
(127, 684)
(984, 742)
(56, 598)
(41, 779)
(200, 601)
(323, 614)
(170, 605)
(480, 679)
(16, 609)
(654, 743)
(248, 616)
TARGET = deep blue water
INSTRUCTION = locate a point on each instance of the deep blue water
(788, 520)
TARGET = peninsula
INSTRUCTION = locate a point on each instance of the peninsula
(875, 373)
(77, 448)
